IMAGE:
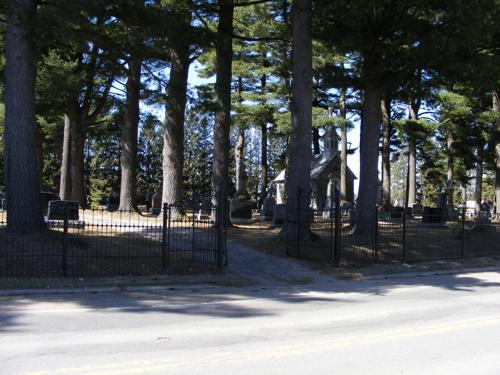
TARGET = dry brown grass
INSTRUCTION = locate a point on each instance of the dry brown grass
(422, 242)
(88, 253)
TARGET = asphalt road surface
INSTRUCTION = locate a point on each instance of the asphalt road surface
(420, 325)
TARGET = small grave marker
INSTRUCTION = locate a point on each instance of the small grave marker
(58, 210)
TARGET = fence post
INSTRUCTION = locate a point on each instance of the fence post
(298, 223)
(166, 215)
(338, 229)
(64, 243)
(462, 230)
(375, 234)
(404, 237)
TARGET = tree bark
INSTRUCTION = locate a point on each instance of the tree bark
(298, 177)
(224, 59)
(385, 107)
(65, 181)
(20, 161)
(343, 146)
(241, 176)
(368, 152)
(449, 174)
(478, 189)
(496, 108)
(128, 183)
(173, 135)
(315, 141)
(412, 159)
(77, 141)
(263, 144)
(412, 173)
(263, 160)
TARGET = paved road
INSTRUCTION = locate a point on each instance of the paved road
(427, 325)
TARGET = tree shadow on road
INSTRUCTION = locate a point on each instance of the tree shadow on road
(237, 303)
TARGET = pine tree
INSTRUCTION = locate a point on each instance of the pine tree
(20, 156)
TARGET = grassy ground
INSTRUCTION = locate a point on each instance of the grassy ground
(96, 252)
(422, 242)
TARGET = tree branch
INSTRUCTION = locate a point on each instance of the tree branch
(248, 3)
(258, 39)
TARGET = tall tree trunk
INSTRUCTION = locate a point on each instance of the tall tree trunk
(128, 183)
(65, 181)
(449, 174)
(496, 108)
(412, 159)
(343, 146)
(263, 160)
(173, 135)
(478, 190)
(241, 176)
(412, 173)
(263, 143)
(385, 107)
(299, 149)
(20, 162)
(239, 154)
(39, 155)
(369, 147)
(77, 141)
(224, 59)
(315, 141)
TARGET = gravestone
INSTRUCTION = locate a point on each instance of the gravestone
(347, 211)
(142, 202)
(442, 200)
(397, 212)
(241, 209)
(417, 209)
(267, 207)
(156, 202)
(205, 209)
(59, 209)
(279, 213)
(483, 216)
(432, 215)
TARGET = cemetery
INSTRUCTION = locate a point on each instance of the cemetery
(127, 149)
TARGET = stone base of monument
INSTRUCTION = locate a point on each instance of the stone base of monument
(267, 208)
(240, 209)
(433, 215)
(483, 223)
(154, 211)
(60, 210)
(397, 212)
(417, 209)
(279, 214)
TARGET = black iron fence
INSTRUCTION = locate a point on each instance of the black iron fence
(342, 238)
(182, 238)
